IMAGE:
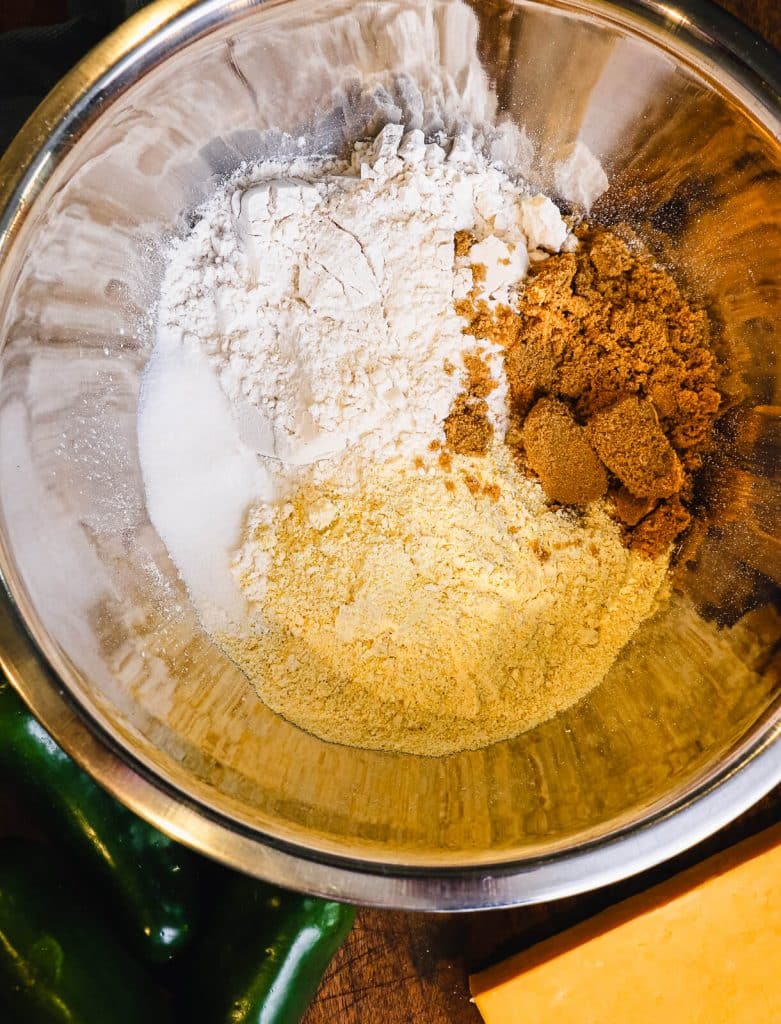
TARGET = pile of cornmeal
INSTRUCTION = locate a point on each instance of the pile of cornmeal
(429, 618)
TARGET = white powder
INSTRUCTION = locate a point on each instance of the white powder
(322, 295)
(199, 477)
(579, 177)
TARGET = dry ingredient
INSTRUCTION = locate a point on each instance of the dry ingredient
(390, 611)
(404, 581)
(413, 617)
(612, 384)
(298, 301)
(554, 443)
(468, 426)
(302, 285)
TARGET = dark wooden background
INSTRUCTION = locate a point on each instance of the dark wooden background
(399, 968)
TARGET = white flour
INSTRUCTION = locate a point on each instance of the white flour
(322, 295)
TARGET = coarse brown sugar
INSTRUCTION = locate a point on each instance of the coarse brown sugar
(629, 508)
(491, 323)
(532, 370)
(473, 484)
(479, 271)
(607, 334)
(558, 450)
(468, 430)
(629, 440)
(480, 382)
(656, 531)
(462, 242)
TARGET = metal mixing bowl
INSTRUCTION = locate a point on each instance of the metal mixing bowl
(99, 636)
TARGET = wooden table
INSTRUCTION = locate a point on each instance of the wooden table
(399, 968)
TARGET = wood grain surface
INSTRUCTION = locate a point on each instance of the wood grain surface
(399, 968)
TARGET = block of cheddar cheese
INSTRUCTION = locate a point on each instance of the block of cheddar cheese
(701, 948)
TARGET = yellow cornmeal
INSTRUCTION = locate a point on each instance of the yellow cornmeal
(420, 617)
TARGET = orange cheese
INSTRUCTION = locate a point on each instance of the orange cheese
(701, 948)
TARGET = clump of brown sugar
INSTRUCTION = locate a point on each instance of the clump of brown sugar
(629, 439)
(612, 384)
(468, 430)
(498, 323)
(558, 451)
(463, 241)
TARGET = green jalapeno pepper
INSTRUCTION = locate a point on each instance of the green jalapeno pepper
(266, 954)
(154, 879)
(59, 963)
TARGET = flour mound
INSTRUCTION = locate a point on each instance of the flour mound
(322, 292)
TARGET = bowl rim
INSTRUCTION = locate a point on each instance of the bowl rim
(697, 29)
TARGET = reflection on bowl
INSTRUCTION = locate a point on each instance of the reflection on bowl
(676, 741)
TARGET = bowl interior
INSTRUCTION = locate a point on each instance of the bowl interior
(695, 167)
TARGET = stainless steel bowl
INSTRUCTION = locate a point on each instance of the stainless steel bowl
(98, 635)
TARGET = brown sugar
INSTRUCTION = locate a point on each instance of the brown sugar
(472, 483)
(659, 528)
(532, 370)
(468, 430)
(463, 242)
(498, 324)
(630, 509)
(479, 382)
(558, 450)
(479, 271)
(607, 334)
(630, 442)
(605, 323)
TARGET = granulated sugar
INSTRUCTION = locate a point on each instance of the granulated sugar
(424, 618)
